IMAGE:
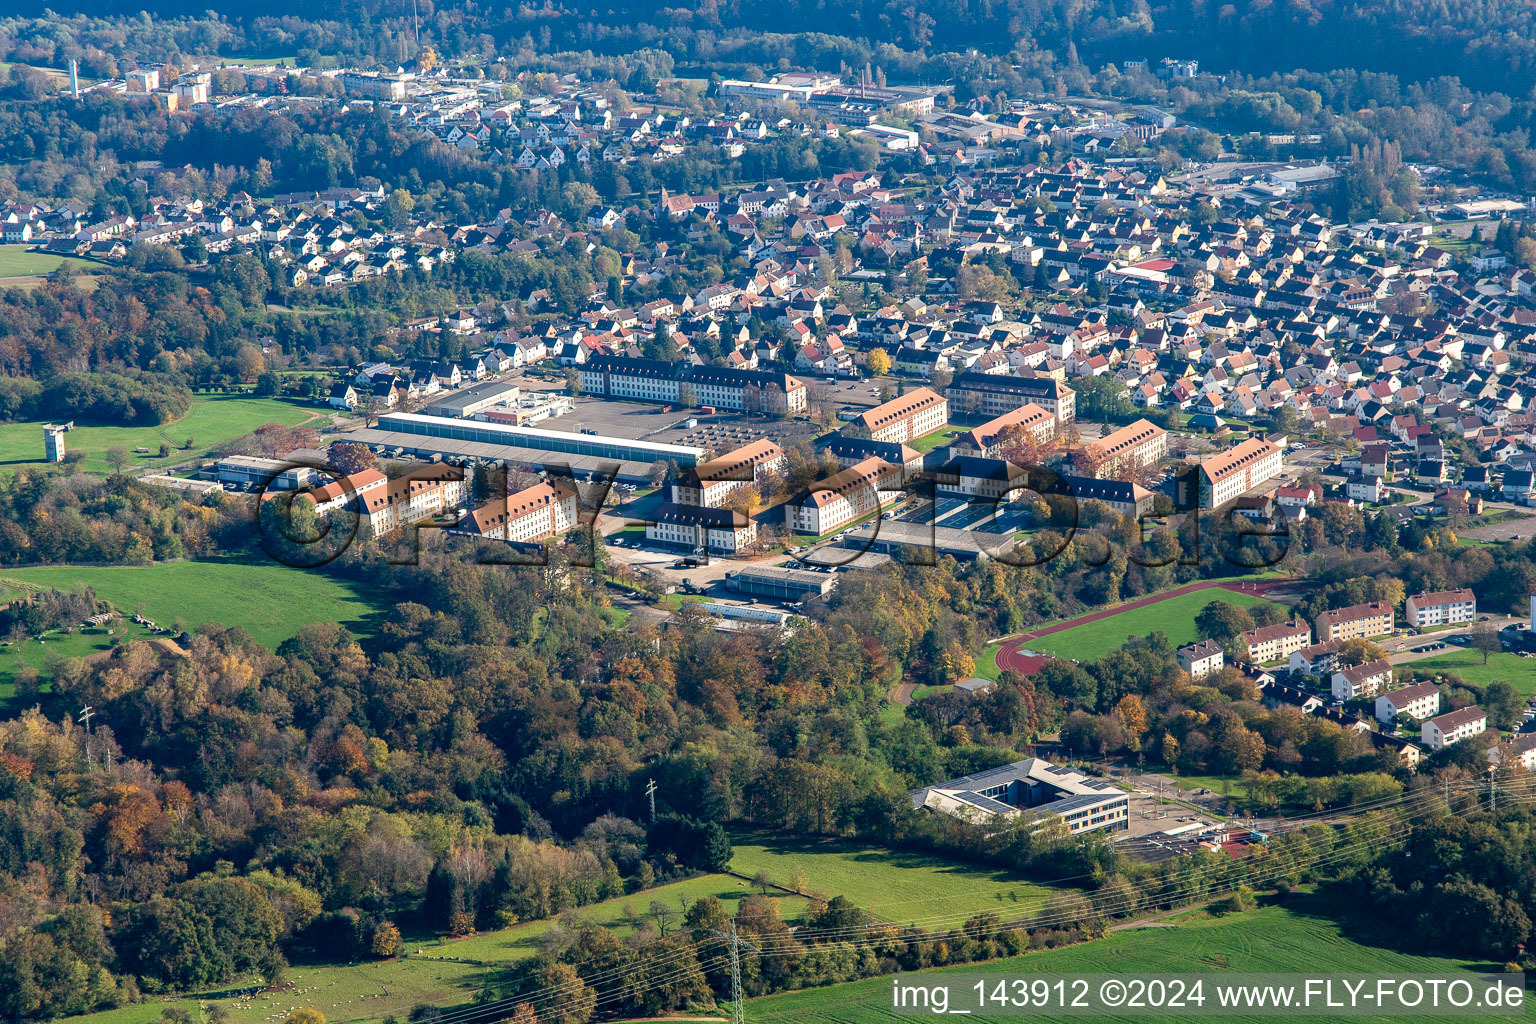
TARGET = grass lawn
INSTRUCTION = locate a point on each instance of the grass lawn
(271, 601)
(16, 261)
(354, 992)
(896, 885)
(675, 602)
(443, 973)
(36, 653)
(1468, 664)
(986, 663)
(1271, 939)
(928, 442)
(258, 62)
(1175, 617)
(1214, 783)
(509, 945)
(212, 421)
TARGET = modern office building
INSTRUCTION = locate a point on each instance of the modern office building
(1030, 787)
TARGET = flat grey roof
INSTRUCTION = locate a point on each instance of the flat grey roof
(447, 446)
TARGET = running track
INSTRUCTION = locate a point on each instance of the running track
(1011, 657)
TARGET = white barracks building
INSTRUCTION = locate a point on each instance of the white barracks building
(711, 483)
(856, 492)
(1442, 608)
(419, 494)
(1228, 476)
(532, 514)
(906, 417)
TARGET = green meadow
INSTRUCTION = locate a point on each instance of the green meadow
(213, 420)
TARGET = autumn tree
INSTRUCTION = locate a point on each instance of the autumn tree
(350, 457)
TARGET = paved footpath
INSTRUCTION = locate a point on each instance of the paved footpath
(1012, 657)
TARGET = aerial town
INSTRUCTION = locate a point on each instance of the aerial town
(554, 517)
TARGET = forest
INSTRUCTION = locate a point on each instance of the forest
(241, 808)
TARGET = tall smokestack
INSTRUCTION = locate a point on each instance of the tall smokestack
(74, 78)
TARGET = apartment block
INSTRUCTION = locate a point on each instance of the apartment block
(990, 394)
(1201, 659)
(532, 514)
(858, 491)
(1441, 608)
(1356, 622)
(1126, 450)
(988, 439)
(711, 483)
(1359, 681)
(650, 380)
(1276, 642)
(420, 494)
(698, 527)
(1439, 733)
(1421, 701)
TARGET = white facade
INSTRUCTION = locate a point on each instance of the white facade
(1441, 609)
(1362, 680)
(530, 515)
(1202, 659)
(717, 539)
(1233, 473)
(1441, 732)
(1421, 701)
(856, 492)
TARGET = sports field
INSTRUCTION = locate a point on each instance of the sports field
(1468, 664)
(1270, 939)
(16, 261)
(210, 422)
(895, 885)
(1175, 617)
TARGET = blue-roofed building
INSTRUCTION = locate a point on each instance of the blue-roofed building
(1036, 787)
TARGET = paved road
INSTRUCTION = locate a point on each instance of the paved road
(1012, 657)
